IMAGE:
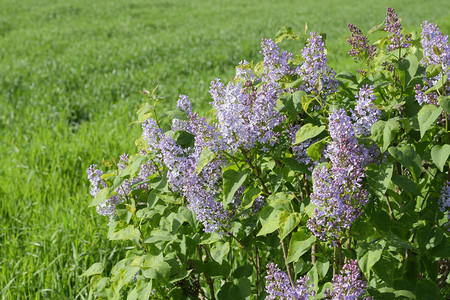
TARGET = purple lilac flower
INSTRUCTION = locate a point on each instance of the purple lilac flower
(200, 189)
(107, 208)
(258, 203)
(206, 135)
(314, 67)
(364, 115)
(436, 51)
(430, 98)
(444, 201)
(276, 62)
(123, 159)
(244, 71)
(397, 39)
(279, 287)
(184, 104)
(95, 178)
(360, 44)
(246, 115)
(337, 190)
(349, 284)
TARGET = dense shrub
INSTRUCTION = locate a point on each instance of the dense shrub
(306, 184)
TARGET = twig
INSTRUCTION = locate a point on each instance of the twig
(288, 267)
(313, 254)
(390, 208)
(208, 279)
(256, 171)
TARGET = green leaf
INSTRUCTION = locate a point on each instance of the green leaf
(433, 70)
(395, 241)
(306, 101)
(375, 28)
(294, 165)
(249, 197)
(243, 271)
(444, 103)
(159, 235)
(438, 85)
(439, 154)
(155, 267)
(214, 269)
(141, 291)
(271, 224)
(379, 177)
(427, 117)
(229, 291)
(285, 32)
(407, 156)
(323, 264)
(245, 287)
(385, 268)
(232, 181)
(95, 269)
(134, 165)
(307, 131)
(370, 255)
(293, 103)
(279, 199)
(184, 138)
(301, 242)
(175, 114)
(100, 198)
(313, 275)
(383, 133)
(205, 157)
(180, 275)
(427, 290)
(122, 231)
(403, 182)
(428, 238)
(219, 250)
(315, 150)
(288, 222)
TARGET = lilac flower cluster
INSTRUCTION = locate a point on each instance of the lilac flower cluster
(337, 190)
(276, 62)
(360, 44)
(314, 67)
(436, 50)
(279, 287)
(199, 189)
(95, 178)
(246, 115)
(393, 26)
(107, 208)
(349, 284)
(364, 115)
(444, 202)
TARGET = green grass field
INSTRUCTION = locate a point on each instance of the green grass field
(70, 72)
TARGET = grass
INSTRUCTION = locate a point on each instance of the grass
(70, 72)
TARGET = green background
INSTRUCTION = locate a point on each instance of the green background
(70, 72)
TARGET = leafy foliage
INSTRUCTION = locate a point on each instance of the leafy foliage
(340, 179)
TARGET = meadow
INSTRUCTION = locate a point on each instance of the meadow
(70, 76)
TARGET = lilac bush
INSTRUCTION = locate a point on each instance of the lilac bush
(338, 178)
